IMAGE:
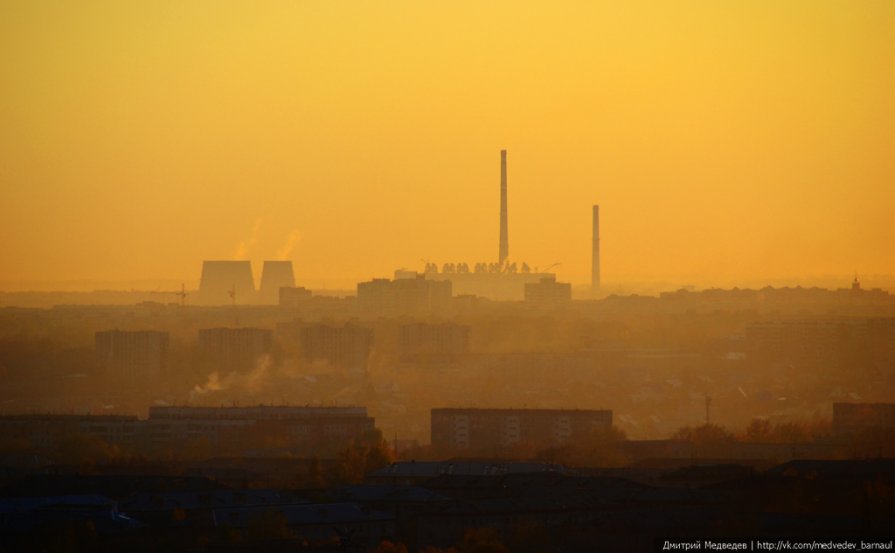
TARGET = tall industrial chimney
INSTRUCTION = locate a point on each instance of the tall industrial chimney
(595, 261)
(504, 233)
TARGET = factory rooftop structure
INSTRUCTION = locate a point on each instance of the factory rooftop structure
(501, 280)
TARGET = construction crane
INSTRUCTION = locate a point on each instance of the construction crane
(232, 293)
(182, 295)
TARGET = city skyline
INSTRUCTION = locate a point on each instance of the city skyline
(446, 277)
(727, 145)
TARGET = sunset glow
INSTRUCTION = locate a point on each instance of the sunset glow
(726, 142)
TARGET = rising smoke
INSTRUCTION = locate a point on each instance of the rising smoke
(286, 249)
(242, 249)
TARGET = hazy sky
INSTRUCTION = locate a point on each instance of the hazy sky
(725, 141)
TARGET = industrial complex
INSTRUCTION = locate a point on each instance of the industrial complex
(232, 282)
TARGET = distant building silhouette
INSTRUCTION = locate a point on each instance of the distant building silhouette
(345, 347)
(234, 349)
(815, 343)
(132, 354)
(304, 429)
(275, 275)
(433, 339)
(487, 430)
(51, 430)
(793, 298)
(486, 281)
(292, 296)
(321, 431)
(548, 292)
(416, 295)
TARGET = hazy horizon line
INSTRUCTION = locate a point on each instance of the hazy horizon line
(149, 285)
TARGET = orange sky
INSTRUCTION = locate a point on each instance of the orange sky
(726, 142)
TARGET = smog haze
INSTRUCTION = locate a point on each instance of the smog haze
(727, 143)
(399, 276)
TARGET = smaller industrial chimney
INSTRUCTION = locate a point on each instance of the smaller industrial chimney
(595, 260)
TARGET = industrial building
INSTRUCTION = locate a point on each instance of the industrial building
(502, 280)
(234, 349)
(133, 355)
(505, 284)
(484, 431)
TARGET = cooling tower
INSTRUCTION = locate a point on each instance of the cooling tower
(275, 275)
(220, 278)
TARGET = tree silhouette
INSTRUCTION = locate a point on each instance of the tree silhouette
(705, 434)
(368, 453)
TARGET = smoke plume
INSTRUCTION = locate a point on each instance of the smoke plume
(286, 250)
(242, 248)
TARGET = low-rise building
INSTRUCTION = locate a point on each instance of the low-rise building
(307, 430)
(197, 431)
(492, 430)
(48, 431)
